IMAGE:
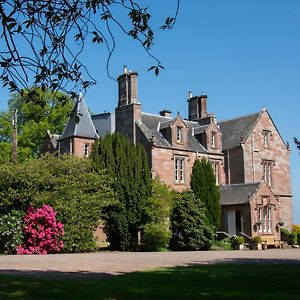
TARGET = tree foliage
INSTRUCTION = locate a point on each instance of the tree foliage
(157, 231)
(38, 111)
(128, 165)
(190, 228)
(77, 193)
(203, 184)
(45, 39)
(297, 142)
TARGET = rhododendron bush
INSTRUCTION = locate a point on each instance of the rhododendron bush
(42, 233)
(71, 186)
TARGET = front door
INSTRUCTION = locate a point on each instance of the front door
(231, 222)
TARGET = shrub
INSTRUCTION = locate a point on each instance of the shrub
(190, 227)
(296, 228)
(11, 231)
(290, 237)
(42, 233)
(298, 238)
(69, 184)
(156, 237)
(294, 238)
(224, 244)
(156, 234)
(238, 240)
(256, 239)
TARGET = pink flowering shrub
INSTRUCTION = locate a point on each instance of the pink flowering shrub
(42, 233)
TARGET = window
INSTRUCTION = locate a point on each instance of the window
(260, 219)
(213, 139)
(215, 166)
(178, 134)
(179, 169)
(267, 171)
(266, 135)
(264, 219)
(86, 150)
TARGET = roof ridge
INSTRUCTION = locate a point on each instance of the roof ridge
(239, 117)
(149, 114)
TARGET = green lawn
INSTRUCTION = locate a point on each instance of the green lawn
(197, 282)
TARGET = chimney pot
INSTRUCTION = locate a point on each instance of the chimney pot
(165, 113)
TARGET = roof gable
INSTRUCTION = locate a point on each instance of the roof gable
(80, 123)
(236, 130)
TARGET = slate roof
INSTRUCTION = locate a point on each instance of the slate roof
(53, 138)
(80, 123)
(151, 124)
(234, 130)
(238, 193)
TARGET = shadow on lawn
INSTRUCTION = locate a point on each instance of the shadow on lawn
(86, 275)
(221, 279)
(59, 275)
(248, 261)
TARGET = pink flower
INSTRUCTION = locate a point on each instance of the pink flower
(42, 232)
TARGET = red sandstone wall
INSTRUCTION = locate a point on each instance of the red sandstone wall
(255, 152)
(163, 165)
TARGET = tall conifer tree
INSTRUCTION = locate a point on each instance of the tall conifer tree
(127, 164)
(203, 184)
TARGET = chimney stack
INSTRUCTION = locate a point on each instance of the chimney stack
(166, 113)
(128, 89)
(197, 107)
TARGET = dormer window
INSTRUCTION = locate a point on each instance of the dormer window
(178, 134)
(213, 139)
(266, 136)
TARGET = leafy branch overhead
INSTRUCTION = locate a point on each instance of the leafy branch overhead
(42, 42)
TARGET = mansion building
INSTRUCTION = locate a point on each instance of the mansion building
(248, 155)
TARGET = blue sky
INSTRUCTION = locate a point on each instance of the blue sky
(244, 54)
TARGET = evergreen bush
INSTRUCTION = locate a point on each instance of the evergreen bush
(156, 237)
(190, 227)
(256, 239)
(238, 240)
(156, 232)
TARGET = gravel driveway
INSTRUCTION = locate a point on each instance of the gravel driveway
(107, 264)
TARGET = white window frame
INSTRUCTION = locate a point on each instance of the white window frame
(267, 172)
(179, 134)
(269, 221)
(213, 139)
(260, 219)
(265, 219)
(179, 169)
